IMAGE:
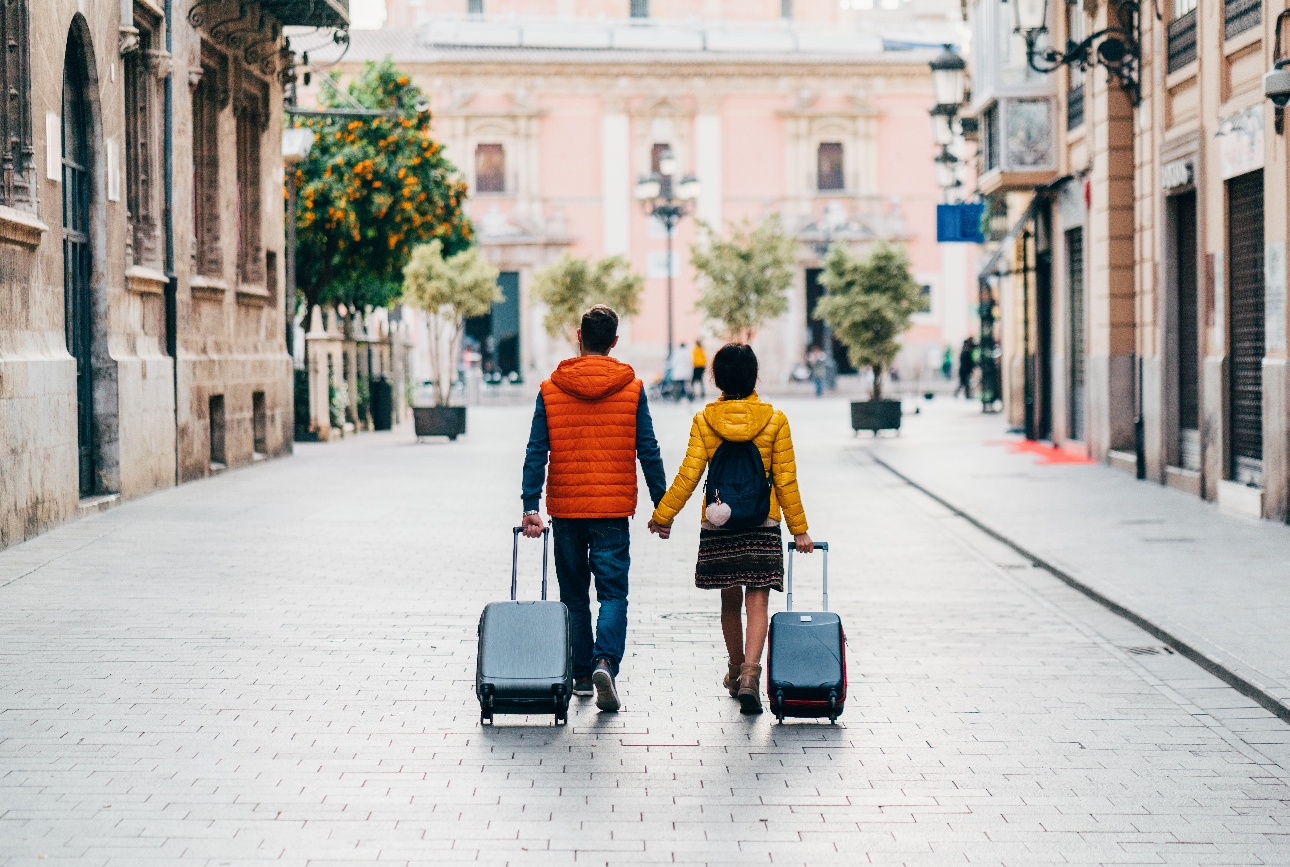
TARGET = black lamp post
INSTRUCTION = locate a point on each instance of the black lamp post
(668, 202)
(1118, 48)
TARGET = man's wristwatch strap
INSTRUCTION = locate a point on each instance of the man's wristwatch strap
(529, 512)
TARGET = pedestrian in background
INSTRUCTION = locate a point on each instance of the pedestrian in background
(744, 564)
(593, 422)
(699, 359)
(947, 363)
(967, 362)
(817, 363)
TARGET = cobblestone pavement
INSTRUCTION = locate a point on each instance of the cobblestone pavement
(276, 665)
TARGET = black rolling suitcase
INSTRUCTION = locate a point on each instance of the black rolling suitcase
(525, 658)
(807, 664)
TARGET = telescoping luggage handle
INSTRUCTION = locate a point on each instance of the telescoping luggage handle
(823, 546)
(546, 544)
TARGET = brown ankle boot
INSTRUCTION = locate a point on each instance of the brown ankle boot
(749, 694)
(731, 681)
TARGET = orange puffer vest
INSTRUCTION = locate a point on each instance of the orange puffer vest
(591, 404)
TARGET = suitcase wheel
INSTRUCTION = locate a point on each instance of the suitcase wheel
(778, 706)
(833, 708)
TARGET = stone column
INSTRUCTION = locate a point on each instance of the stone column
(322, 348)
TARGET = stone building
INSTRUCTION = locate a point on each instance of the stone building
(552, 109)
(142, 327)
(1145, 319)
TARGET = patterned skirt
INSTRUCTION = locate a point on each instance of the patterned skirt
(740, 558)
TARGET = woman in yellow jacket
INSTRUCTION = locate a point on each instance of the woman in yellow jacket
(745, 565)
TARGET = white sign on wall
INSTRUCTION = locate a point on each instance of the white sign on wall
(53, 147)
(1274, 313)
(1176, 174)
(1240, 142)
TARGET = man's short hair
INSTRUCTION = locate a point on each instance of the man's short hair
(734, 369)
(599, 328)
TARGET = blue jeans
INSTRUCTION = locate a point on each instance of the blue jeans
(599, 546)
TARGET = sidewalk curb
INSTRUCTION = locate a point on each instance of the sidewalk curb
(1241, 684)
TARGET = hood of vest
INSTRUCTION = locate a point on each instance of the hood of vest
(592, 377)
(738, 420)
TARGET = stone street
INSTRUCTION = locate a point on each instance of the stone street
(276, 665)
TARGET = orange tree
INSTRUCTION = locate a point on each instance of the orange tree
(371, 189)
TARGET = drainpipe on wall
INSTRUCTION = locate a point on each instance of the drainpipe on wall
(168, 221)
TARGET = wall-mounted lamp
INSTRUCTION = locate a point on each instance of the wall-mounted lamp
(1276, 84)
(1118, 48)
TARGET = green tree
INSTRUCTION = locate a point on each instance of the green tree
(744, 277)
(571, 284)
(370, 190)
(868, 305)
(450, 290)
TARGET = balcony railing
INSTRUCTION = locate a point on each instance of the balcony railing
(1240, 16)
(1075, 107)
(1182, 40)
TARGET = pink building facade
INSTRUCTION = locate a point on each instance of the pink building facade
(552, 111)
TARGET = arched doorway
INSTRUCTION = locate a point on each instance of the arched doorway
(80, 209)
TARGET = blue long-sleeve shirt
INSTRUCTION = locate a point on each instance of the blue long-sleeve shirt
(647, 452)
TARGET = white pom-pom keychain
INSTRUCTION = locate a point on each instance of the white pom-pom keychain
(718, 513)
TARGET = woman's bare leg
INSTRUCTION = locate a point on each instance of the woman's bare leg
(732, 627)
(756, 601)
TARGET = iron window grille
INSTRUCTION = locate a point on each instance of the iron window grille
(1240, 16)
(252, 113)
(143, 65)
(990, 135)
(1182, 41)
(209, 95)
(640, 8)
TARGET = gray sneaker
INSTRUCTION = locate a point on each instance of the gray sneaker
(583, 688)
(606, 691)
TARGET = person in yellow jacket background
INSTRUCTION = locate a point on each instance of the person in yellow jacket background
(699, 360)
(744, 564)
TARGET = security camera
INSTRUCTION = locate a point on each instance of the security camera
(422, 105)
(1276, 86)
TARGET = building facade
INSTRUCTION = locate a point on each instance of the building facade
(142, 322)
(1143, 280)
(553, 110)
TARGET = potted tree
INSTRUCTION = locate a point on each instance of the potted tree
(570, 285)
(449, 290)
(744, 277)
(868, 306)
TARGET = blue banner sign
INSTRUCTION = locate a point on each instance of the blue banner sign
(959, 224)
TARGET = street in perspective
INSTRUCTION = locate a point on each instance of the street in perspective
(523, 432)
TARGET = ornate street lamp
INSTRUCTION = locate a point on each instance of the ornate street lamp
(949, 77)
(1118, 48)
(668, 202)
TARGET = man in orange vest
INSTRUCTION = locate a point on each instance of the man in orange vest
(593, 422)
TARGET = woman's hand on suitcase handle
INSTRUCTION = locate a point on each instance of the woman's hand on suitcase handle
(803, 544)
(663, 530)
(533, 526)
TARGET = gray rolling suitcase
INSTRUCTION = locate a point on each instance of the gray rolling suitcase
(525, 658)
(806, 668)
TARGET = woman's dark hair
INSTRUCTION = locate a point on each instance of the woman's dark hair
(734, 369)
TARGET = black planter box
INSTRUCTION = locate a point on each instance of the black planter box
(875, 415)
(439, 421)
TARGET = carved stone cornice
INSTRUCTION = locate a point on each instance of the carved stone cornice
(145, 281)
(20, 228)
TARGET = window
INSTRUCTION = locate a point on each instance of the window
(1181, 35)
(990, 137)
(656, 158)
(1240, 16)
(924, 299)
(474, 7)
(209, 95)
(17, 175)
(490, 168)
(259, 425)
(216, 416)
(828, 166)
(640, 8)
(140, 67)
(1075, 107)
(786, 9)
(252, 119)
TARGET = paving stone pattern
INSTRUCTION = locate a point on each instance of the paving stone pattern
(276, 665)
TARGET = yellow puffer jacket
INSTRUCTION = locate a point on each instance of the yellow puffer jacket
(740, 421)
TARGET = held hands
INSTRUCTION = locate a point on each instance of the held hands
(663, 530)
(803, 543)
(532, 525)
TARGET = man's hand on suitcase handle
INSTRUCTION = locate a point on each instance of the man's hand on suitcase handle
(532, 525)
(802, 543)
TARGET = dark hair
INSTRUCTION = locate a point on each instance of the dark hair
(599, 328)
(734, 369)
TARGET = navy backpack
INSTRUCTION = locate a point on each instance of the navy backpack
(737, 478)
